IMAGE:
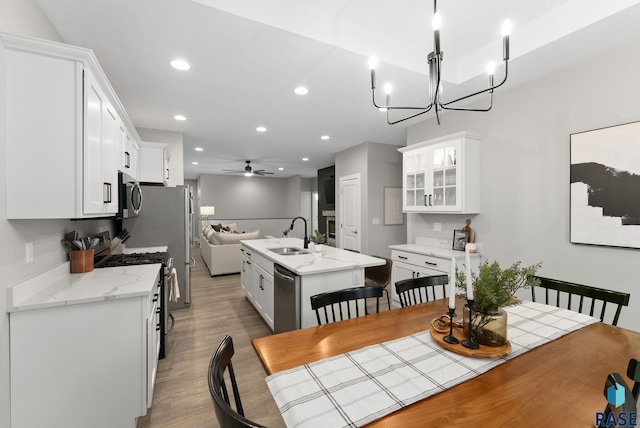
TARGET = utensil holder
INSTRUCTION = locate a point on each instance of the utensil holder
(82, 261)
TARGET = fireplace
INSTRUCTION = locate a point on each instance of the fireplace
(331, 231)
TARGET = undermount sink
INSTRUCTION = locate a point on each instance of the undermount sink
(289, 251)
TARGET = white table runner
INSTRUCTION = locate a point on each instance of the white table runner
(358, 387)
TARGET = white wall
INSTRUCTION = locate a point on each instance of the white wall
(525, 172)
(379, 166)
(265, 203)
(20, 17)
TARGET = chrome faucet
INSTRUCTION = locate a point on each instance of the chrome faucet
(306, 237)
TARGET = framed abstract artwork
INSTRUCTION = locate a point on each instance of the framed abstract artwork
(605, 186)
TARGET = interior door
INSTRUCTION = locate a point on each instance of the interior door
(350, 212)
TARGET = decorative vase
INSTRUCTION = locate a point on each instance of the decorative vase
(318, 248)
(487, 328)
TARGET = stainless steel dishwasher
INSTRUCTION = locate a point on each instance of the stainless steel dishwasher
(286, 300)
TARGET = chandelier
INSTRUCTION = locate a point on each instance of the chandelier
(435, 85)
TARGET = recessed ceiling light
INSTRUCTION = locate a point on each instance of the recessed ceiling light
(180, 64)
(194, 163)
(280, 169)
(325, 137)
(301, 90)
(261, 129)
(199, 149)
(179, 117)
(305, 159)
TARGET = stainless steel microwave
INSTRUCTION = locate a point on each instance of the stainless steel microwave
(130, 196)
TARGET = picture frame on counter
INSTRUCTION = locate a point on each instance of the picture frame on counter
(459, 239)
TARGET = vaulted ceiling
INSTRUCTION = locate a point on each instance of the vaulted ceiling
(247, 56)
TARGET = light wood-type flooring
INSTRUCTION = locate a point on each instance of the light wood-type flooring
(218, 307)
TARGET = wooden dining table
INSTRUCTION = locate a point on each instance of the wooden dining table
(560, 383)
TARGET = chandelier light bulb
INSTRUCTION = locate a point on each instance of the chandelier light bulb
(387, 88)
(506, 28)
(491, 67)
(373, 63)
(436, 21)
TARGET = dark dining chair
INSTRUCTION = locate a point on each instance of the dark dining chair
(421, 289)
(633, 372)
(221, 362)
(579, 297)
(343, 301)
(379, 275)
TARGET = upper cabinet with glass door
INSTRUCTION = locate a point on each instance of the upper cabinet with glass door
(442, 175)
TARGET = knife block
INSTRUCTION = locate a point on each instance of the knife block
(81, 261)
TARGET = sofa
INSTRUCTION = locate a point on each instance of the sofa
(220, 247)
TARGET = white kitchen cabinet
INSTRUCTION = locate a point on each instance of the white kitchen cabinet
(84, 364)
(134, 160)
(408, 264)
(247, 275)
(153, 163)
(264, 294)
(442, 175)
(100, 176)
(62, 117)
(257, 281)
(126, 151)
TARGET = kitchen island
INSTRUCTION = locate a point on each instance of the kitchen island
(316, 272)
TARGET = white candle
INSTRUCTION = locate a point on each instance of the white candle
(468, 274)
(452, 285)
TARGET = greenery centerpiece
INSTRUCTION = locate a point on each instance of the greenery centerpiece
(494, 288)
(318, 238)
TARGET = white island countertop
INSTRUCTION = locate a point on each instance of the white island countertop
(58, 287)
(330, 259)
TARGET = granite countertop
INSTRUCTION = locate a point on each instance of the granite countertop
(330, 259)
(58, 287)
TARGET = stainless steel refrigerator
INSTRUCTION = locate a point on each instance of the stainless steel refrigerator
(164, 219)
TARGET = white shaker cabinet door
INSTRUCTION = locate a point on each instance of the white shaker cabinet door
(99, 173)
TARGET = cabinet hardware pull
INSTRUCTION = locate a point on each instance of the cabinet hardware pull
(430, 204)
(431, 263)
(425, 200)
(158, 327)
(167, 173)
(127, 160)
(248, 262)
(403, 257)
(107, 188)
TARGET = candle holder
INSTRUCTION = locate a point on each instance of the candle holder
(470, 343)
(450, 338)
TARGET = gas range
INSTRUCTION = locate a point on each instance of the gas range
(113, 260)
(118, 260)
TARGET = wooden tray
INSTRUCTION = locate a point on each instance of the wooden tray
(482, 352)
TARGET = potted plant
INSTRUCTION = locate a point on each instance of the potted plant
(318, 239)
(494, 288)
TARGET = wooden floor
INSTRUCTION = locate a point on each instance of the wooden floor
(218, 307)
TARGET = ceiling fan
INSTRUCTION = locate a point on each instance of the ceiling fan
(248, 171)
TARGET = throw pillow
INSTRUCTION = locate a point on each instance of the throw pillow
(214, 238)
(216, 227)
